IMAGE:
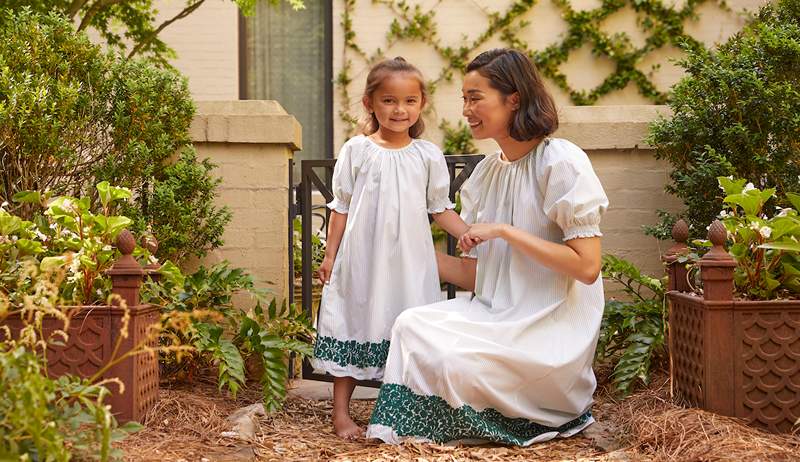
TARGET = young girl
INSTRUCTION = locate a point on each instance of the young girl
(514, 363)
(380, 258)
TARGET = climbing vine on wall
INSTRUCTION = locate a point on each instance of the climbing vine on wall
(662, 23)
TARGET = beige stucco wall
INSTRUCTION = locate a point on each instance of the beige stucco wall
(207, 45)
(458, 20)
(252, 143)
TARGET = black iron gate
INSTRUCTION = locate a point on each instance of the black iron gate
(317, 175)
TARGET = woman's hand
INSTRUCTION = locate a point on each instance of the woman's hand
(325, 269)
(481, 232)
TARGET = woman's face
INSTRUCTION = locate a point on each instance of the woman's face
(487, 110)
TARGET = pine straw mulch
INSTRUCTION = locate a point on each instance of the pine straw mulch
(187, 423)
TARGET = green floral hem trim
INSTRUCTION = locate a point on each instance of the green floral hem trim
(430, 417)
(351, 353)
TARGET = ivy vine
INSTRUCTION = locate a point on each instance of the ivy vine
(663, 24)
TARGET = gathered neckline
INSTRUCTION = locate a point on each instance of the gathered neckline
(391, 149)
(534, 150)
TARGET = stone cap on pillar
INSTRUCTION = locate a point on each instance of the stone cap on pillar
(249, 121)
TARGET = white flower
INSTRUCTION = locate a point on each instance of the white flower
(66, 204)
(748, 187)
(75, 265)
(53, 226)
(153, 260)
(782, 212)
(755, 226)
(725, 214)
(41, 236)
(107, 247)
(14, 238)
(765, 231)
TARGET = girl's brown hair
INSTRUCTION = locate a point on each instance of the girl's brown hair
(509, 71)
(378, 73)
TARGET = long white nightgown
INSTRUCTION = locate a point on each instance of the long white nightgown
(514, 363)
(386, 261)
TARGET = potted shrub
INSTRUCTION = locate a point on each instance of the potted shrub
(734, 337)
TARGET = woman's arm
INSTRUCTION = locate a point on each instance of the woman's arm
(451, 222)
(336, 226)
(578, 258)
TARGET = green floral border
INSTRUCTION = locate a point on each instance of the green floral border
(351, 353)
(430, 417)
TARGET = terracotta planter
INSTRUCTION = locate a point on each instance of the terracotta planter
(93, 333)
(733, 357)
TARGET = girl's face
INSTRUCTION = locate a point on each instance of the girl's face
(397, 102)
(487, 110)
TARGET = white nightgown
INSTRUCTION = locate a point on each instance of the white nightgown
(514, 363)
(386, 261)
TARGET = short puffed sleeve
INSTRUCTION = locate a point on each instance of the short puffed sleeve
(343, 179)
(438, 190)
(573, 195)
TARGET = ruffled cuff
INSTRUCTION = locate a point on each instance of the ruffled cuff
(579, 231)
(439, 206)
(338, 206)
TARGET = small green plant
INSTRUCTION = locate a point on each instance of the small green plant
(764, 244)
(317, 248)
(268, 335)
(632, 333)
(70, 234)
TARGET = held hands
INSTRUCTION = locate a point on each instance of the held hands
(325, 270)
(478, 233)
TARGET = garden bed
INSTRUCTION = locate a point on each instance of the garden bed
(187, 423)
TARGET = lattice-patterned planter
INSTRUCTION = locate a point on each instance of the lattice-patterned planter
(733, 357)
(93, 333)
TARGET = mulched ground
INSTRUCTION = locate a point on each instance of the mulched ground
(187, 423)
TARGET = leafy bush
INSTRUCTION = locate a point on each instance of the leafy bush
(764, 245)
(632, 334)
(268, 335)
(735, 113)
(317, 248)
(72, 116)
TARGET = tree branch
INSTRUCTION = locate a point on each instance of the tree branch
(147, 40)
(94, 9)
(74, 7)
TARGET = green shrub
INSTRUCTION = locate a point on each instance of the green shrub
(735, 113)
(458, 139)
(632, 334)
(72, 116)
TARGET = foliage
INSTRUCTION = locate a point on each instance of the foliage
(127, 27)
(735, 114)
(458, 139)
(181, 211)
(632, 334)
(69, 235)
(267, 335)
(663, 25)
(766, 249)
(317, 248)
(72, 116)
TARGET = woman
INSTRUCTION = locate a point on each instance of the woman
(512, 364)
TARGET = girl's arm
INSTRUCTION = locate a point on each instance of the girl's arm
(336, 227)
(451, 222)
(578, 258)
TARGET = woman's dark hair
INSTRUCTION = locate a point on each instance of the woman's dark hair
(510, 71)
(378, 73)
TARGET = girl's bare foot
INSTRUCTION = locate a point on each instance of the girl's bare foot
(345, 428)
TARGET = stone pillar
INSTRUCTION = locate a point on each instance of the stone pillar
(252, 143)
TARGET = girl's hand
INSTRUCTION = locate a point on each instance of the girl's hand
(466, 244)
(325, 270)
(482, 232)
